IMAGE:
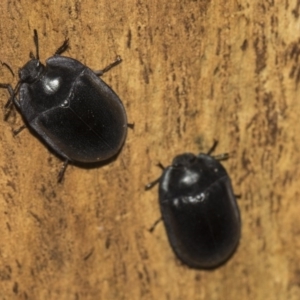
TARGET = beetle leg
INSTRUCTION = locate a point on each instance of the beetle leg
(11, 99)
(12, 93)
(222, 156)
(17, 131)
(62, 171)
(110, 66)
(150, 185)
(130, 125)
(10, 90)
(63, 47)
(8, 67)
(151, 229)
(160, 165)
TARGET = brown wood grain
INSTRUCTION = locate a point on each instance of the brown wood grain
(193, 71)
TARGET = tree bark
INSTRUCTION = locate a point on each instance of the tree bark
(192, 72)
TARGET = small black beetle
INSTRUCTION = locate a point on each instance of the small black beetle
(70, 108)
(199, 209)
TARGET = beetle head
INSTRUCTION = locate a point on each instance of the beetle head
(31, 71)
(185, 160)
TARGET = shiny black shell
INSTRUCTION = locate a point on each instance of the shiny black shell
(72, 110)
(199, 210)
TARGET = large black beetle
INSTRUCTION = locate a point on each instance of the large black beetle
(70, 108)
(199, 209)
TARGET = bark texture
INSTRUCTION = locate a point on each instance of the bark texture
(193, 71)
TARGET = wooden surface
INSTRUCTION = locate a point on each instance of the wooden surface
(193, 71)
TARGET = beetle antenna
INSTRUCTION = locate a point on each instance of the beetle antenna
(36, 42)
(213, 147)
